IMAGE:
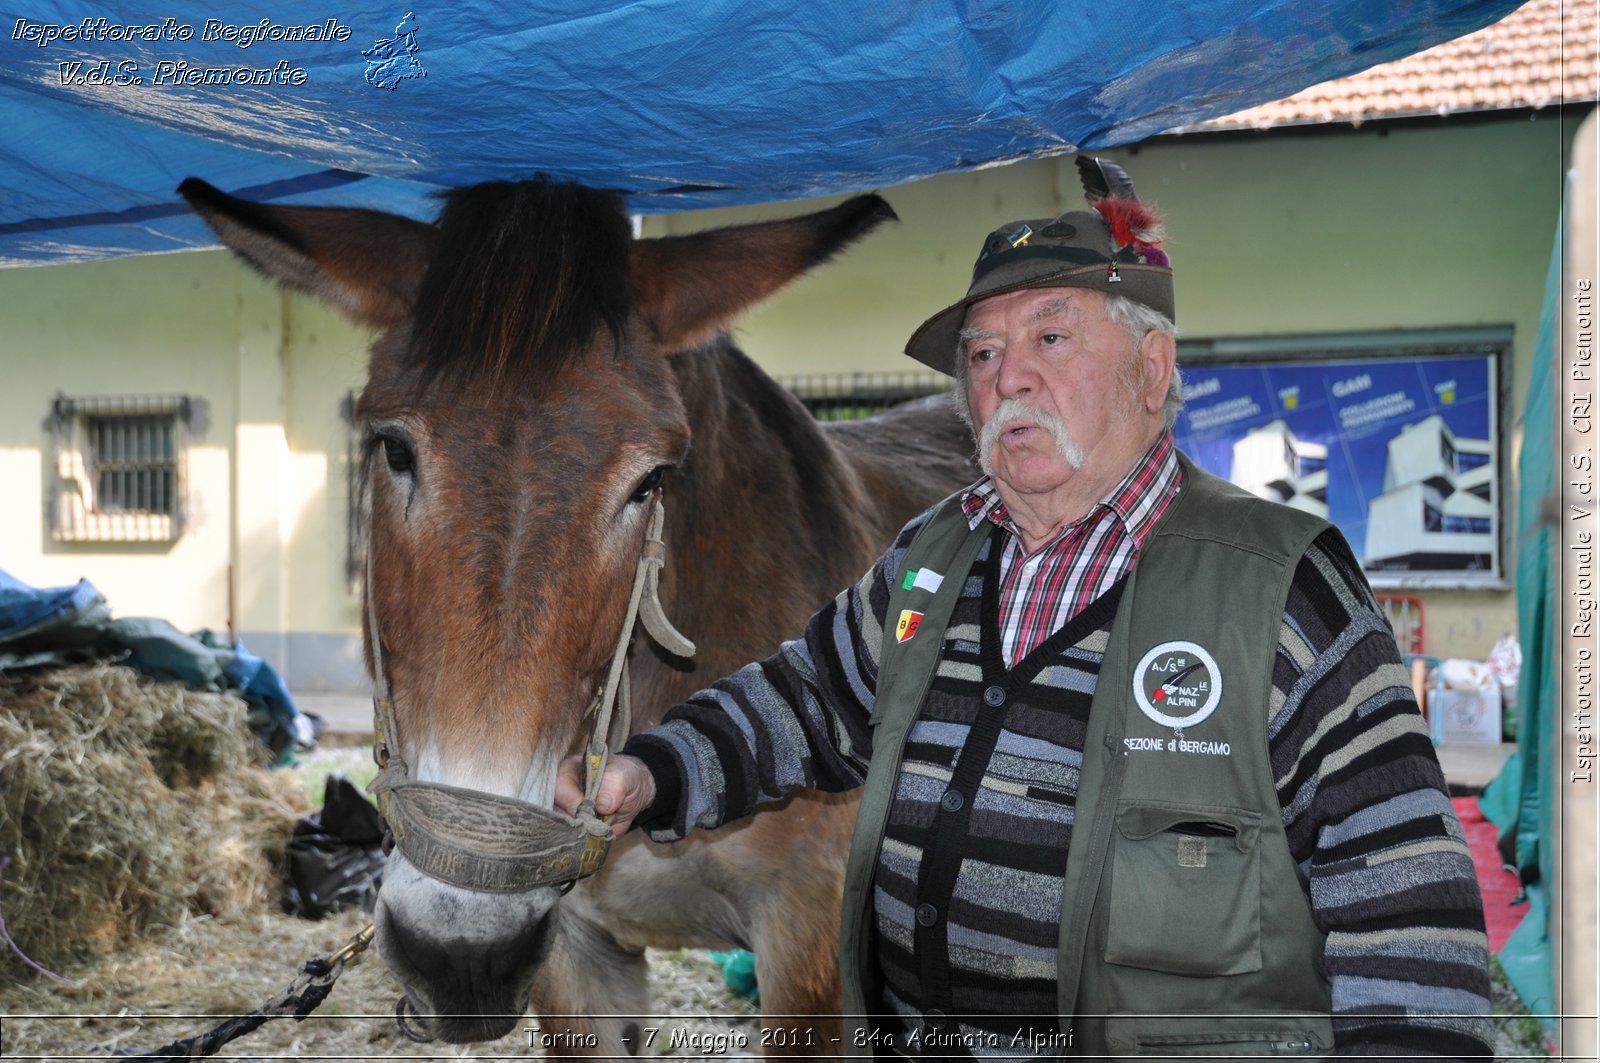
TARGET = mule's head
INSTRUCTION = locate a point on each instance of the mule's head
(519, 418)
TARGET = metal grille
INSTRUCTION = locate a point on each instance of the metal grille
(119, 468)
(133, 461)
(850, 396)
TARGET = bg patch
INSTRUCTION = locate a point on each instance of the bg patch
(1177, 684)
(910, 620)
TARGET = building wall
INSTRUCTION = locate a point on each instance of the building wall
(327, 362)
(265, 491)
(170, 324)
(1430, 225)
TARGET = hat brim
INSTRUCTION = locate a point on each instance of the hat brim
(934, 342)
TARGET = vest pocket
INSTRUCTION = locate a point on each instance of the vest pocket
(1185, 890)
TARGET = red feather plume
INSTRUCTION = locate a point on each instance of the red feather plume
(1131, 221)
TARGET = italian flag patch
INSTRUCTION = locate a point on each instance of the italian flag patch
(925, 579)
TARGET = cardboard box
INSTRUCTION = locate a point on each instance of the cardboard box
(1465, 715)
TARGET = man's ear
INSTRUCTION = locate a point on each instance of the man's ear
(366, 263)
(1158, 360)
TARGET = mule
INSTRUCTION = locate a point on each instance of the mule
(539, 379)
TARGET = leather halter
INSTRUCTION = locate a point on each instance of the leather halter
(494, 844)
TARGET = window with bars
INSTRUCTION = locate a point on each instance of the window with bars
(119, 468)
(850, 396)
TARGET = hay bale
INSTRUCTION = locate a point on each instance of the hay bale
(246, 816)
(126, 803)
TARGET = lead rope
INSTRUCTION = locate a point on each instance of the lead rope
(318, 975)
(313, 985)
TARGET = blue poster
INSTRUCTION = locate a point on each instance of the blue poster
(1398, 452)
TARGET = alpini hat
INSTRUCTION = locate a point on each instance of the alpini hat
(1113, 248)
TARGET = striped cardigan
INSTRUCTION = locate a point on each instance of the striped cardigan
(1383, 859)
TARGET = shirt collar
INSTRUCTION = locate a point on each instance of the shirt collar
(1137, 500)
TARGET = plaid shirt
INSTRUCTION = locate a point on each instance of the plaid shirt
(1041, 592)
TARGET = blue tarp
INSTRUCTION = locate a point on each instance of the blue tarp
(27, 612)
(108, 107)
(52, 626)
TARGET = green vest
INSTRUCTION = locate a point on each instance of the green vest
(1185, 929)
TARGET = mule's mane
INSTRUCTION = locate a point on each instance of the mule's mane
(522, 276)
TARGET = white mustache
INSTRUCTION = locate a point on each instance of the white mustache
(1012, 410)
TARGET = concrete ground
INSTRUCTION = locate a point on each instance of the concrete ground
(347, 714)
(1467, 767)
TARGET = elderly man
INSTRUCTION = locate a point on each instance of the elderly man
(1142, 773)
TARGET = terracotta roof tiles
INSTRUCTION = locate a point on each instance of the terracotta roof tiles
(1541, 54)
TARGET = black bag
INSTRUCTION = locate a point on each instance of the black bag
(336, 854)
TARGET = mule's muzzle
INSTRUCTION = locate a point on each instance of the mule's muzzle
(489, 843)
(461, 989)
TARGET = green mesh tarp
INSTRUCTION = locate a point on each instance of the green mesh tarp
(1520, 801)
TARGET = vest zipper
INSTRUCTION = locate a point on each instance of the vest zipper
(1299, 1046)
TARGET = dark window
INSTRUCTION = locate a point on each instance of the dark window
(1474, 525)
(119, 473)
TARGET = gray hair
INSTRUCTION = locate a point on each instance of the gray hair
(1140, 320)
(1136, 318)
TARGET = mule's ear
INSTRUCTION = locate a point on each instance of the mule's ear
(367, 263)
(690, 287)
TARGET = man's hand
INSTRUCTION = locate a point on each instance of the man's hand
(626, 789)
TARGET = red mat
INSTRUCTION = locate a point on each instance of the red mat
(1499, 886)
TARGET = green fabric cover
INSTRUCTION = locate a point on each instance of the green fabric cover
(1521, 799)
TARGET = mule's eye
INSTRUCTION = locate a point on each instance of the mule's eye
(649, 483)
(399, 456)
